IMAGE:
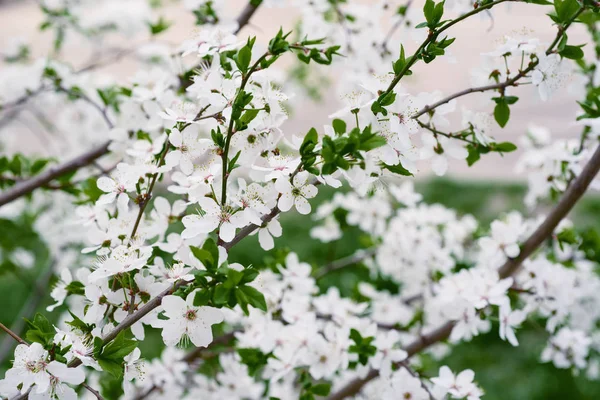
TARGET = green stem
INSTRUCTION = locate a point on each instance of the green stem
(225, 155)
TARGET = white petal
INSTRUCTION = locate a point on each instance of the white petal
(285, 202)
(174, 306)
(265, 239)
(300, 179)
(302, 205)
(439, 165)
(309, 191)
(162, 206)
(283, 185)
(227, 232)
(175, 138)
(106, 184)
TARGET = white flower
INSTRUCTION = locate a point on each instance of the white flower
(405, 194)
(266, 234)
(436, 149)
(549, 75)
(296, 193)
(187, 148)
(59, 292)
(118, 185)
(135, 367)
(504, 239)
(459, 386)
(387, 352)
(187, 321)
(509, 320)
(31, 367)
(405, 386)
(324, 358)
(568, 347)
(211, 217)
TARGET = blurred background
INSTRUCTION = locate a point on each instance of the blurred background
(485, 191)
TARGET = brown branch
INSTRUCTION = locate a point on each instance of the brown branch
(248, 229)
(52, 173)
(12, 334)
(93, 391)
(245, 16)
(566, 203)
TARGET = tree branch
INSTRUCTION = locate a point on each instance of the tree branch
(245, 16)
(545, 230)
(52, 173)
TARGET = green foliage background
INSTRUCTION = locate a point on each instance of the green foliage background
(503, 371)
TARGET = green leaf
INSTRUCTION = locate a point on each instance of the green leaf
(372, 143)
(428, 10)
(502, 112)
(38, 165)
(397, 169)
(246, 118)
(232, 163)
(243, 58)
(204, 256)
(250, 274)
(504, 147)
(160, 26)
(221, 295)
(565, 9)
(76, 288)
(572, 52)
(40, 330)
(474, 154)
(202, 297)
(254, 359)
(118, 348)
(77, 323)
(233, 278)
(255, 298)
(321, 389)
(339, 126)
(112, 367)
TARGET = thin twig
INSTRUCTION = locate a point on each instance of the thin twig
(33, 301)
(11, 333)
(352, 259)
(93, 391)
(508, 82)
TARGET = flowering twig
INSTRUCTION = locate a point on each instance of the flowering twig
(431, 38)
(560, 211)
(22, 341)
(508, 82)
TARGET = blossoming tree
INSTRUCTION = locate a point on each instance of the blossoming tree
(152, 182)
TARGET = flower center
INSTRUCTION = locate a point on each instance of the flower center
(191, 315)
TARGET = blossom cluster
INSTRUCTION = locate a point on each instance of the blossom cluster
(196, 156)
